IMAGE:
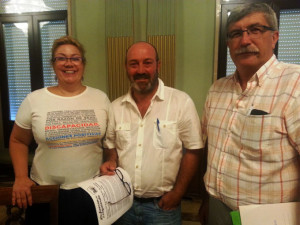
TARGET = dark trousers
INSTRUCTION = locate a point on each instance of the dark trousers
(219, 213)
(38, 214)
(75, 207)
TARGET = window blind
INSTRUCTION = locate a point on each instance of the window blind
(50, 30)
(18, 65)
(289, 36)
(17, 55)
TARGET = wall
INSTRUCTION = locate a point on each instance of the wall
(195, 24)
(88, 26)
(195, 48)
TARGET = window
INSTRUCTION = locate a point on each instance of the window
(289, 36)
(288, 46)
(25, 51)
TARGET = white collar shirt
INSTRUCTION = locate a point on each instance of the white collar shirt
(150, 148)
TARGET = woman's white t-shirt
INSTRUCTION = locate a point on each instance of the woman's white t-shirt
(68, 131)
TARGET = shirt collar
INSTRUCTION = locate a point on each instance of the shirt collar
(262, 73)
(160, 93)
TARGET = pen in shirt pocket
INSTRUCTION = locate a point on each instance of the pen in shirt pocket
(157, 124)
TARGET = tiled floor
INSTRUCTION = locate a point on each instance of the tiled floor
(3, 216)
(189, 211)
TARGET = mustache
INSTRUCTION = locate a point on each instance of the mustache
(141, 76)
(247, 49)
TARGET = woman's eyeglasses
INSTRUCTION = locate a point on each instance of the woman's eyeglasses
(63, 60)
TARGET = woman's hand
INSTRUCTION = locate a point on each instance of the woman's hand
(21, 194)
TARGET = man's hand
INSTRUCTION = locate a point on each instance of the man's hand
(170, 200)
(21, 194)
(110, 164)
(108, 167)
(188, 167)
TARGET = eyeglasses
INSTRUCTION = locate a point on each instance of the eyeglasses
(63, 60)
(254, 32)
(125, 184)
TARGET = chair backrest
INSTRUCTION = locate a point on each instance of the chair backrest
(40, 194)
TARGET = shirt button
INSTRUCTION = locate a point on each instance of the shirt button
(136, 166)
(140, 145)
(141, 125)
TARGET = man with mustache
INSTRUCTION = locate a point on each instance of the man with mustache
(251, 121)
(154, 134)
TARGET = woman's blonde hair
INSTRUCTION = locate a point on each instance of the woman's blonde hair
(67, 40)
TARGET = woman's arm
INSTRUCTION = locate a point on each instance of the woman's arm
(18, 148)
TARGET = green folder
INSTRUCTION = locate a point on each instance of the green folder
(236, 219)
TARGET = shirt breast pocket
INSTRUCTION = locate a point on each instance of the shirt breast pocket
(165, 134)
(123, 136)
(263, 132)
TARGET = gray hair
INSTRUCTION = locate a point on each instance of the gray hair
(246, 9)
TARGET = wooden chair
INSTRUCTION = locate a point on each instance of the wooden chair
(40, 194)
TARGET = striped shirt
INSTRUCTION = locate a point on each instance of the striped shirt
(254, 137)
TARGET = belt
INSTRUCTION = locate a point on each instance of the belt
(146, 200)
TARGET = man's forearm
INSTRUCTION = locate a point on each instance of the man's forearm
(188, 168)
(110, 155)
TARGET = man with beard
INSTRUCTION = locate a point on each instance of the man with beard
(148, 129)
(252, 120)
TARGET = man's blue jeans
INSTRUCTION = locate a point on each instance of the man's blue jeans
(149, 213)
